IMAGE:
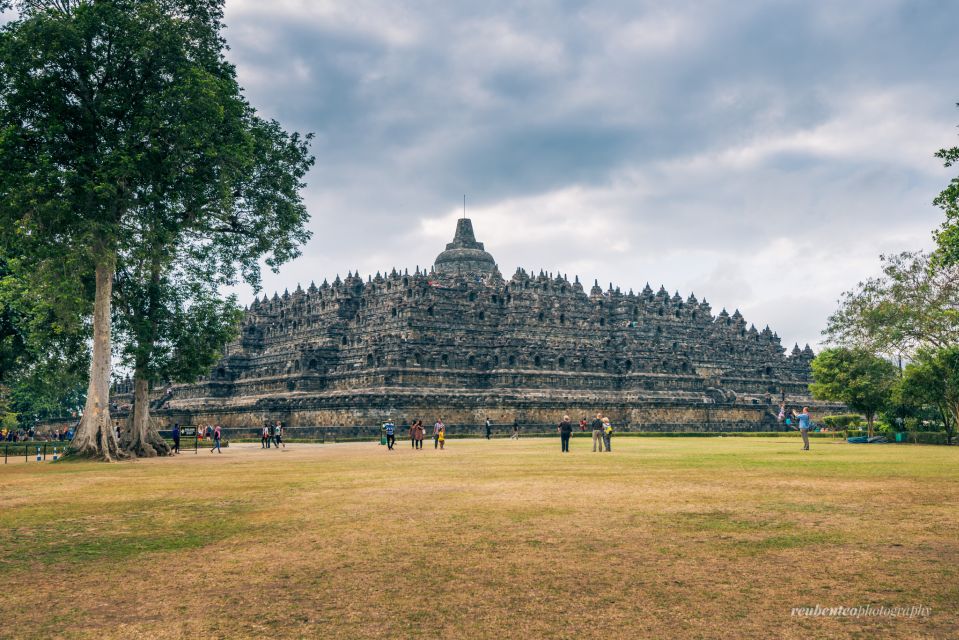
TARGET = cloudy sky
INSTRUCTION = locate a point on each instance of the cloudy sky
(760, 154)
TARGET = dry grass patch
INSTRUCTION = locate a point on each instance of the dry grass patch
(710, 538)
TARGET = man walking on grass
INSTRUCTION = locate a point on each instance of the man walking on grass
(216, 440)
(278, 435)
(598, 432)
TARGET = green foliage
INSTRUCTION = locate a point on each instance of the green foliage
(932, 380)
(914, 305)
(125, 141)
(8, 419)
(842, 421)
(855, 377)
(171, 330)
(32, 330)
(947, 237)
(122, 122)
(928, 437)
(43, 348)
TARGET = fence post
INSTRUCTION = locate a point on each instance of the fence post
(6, 448)
(196, 441)
(44, 451)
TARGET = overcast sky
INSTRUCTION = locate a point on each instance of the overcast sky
(760, 154)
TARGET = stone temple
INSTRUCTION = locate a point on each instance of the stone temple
(464, 343)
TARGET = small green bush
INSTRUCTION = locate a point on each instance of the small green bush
(842, 421)
(927, 437)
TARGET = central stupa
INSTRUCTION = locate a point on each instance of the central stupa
(464, 255)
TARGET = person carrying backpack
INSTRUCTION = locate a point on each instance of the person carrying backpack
(607, 433)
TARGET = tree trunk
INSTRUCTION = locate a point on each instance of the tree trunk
(869, 420)
(95, 437)
(952, 424)
(143, 440)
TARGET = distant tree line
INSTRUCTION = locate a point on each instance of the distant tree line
(896, 337)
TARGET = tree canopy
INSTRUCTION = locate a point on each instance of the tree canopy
(123, 130)
(932, 379)
(913, 305)
(947, 236)
(855, 377)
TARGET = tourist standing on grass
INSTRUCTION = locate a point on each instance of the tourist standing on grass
(515, 435)
(390, 429)
(439, 426)
(418, 433)
(489, 429)
(264, 435)
(278, 435)
(607, 433)
(216, 440)
(598, 432)
(176, 437)
(803, 419)
(413, 434)
(582, 424)
(565, 431)
(442, 437)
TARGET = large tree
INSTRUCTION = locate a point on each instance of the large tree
(172, 327)
(914, 305)
(121, 122)
(855, 377)
(932, 380)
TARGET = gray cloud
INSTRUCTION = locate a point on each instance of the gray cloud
(761, 154)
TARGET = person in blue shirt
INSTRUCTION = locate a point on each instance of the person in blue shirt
(176, 437)
(390, 430)
(804, 422)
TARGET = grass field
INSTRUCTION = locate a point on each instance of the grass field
(663, 538)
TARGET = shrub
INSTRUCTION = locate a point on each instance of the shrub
(842, 421)
(928, 437)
